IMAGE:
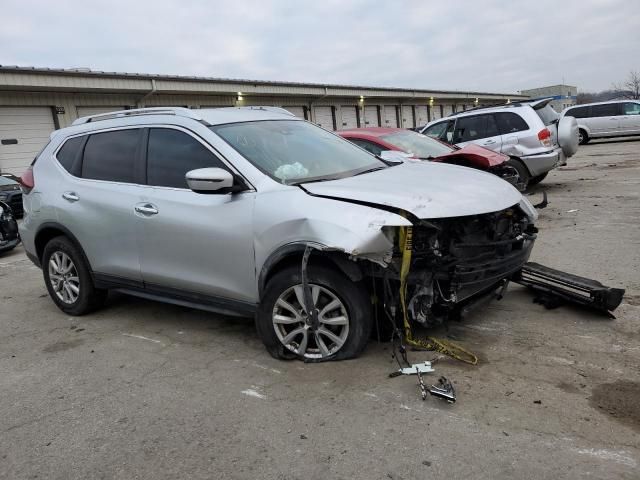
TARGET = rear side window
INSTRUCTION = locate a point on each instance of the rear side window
(111, 156)
(605, 110)
(510, 122)
(473, 128)
(172, 153)
(631, 108)
(69, 152)
(578, 112)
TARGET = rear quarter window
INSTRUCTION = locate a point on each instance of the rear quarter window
(69, 152)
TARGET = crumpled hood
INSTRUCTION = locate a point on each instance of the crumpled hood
(425, 189)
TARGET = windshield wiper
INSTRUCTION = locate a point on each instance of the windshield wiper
(370, 170)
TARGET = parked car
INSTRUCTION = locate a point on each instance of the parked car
(9, 237)
(617, 118)
(11, 193)
(381, 141)
(11, 176)
(252, 211)
(531, 133)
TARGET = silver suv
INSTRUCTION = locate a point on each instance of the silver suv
(531, 133)
(618, 118)
(252, 211)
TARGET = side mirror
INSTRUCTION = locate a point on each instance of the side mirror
(208, 180)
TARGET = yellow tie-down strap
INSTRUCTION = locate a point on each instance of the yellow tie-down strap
(429, 343)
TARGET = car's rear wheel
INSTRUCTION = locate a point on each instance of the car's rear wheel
(538, 178)
(339, 329)
(68, 279)
(523, 172)
(583, 137)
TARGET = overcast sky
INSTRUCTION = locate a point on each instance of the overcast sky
(499, 46)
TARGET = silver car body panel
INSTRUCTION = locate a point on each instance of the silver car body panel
(608, 126)
(218, 244)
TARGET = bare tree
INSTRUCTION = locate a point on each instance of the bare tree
(630, 88)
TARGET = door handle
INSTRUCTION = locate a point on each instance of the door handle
(146, 209)
(71, 196)
(489, 142)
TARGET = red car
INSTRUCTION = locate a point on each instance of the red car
(417, 146)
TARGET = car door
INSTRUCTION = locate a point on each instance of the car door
(97, 199)
(630, 119)
(604, 119)
(192, 242)
(509, 124)
(478, 129)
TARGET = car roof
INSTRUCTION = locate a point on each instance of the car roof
(370, 131)
(604, 103)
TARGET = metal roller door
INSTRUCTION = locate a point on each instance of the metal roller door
(349, 117)
(407, 116)
(23, 133)
(436, 112)
(422, 115)
(297, 111)
(390, 116)
(371, 118)
(324, 117)
(448, 110)
(88, 111)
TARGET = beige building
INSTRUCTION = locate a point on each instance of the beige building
(36, 101)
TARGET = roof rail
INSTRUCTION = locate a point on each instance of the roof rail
(178, 111)
(268, 109)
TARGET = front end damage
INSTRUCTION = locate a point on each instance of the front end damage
(441, 268)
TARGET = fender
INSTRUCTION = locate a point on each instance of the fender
(66, 232)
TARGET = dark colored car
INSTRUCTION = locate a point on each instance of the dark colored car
(11, 194)
(382, 140)
(9, 237)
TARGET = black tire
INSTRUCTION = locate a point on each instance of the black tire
(583, 138)
(89, 297)
(523, 172)
(537, 179)
(351, 294)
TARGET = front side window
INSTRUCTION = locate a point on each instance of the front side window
(631, 108)
(437, 130)
(172, 153)
(291, 151)
(111, 156)
(605, 110)
(419, 145)
(510, 123)
(69, 152)
(368, 146)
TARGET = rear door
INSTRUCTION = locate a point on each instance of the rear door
(99, 196)
(630, 119)
(604, 119)
(197, 243)
(478, 129)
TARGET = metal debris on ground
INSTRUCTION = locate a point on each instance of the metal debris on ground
(424, 367)
(444, 389)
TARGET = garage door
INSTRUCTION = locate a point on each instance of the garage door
(448, 110)
(324, 117)
(390, 116)
(349, 117)
(407, 116)
(422, 115)
(297, 111)
(23, 133)
(436, 112)
(371, 118)
(88, 111)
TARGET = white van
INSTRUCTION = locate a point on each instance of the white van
(617, 118)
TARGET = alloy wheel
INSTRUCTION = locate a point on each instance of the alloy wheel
(305, 336)
(63, 277)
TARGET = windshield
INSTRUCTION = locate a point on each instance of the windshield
(417, 144)
(292, 151)
(6, 181)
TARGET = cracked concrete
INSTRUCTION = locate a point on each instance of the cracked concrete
(145, 390)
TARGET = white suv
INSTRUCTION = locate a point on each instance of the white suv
(618, 118)
(531, 133)
(252, 211)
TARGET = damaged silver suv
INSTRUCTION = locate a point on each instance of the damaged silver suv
(251, 211)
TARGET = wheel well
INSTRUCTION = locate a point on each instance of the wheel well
(336, 260)
(50, 232)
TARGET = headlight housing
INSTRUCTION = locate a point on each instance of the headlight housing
(528, 208)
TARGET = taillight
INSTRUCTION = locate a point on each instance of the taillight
(544, 136)
(27, 181)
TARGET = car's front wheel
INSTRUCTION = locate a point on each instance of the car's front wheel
(68, 279)
(337, 326)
